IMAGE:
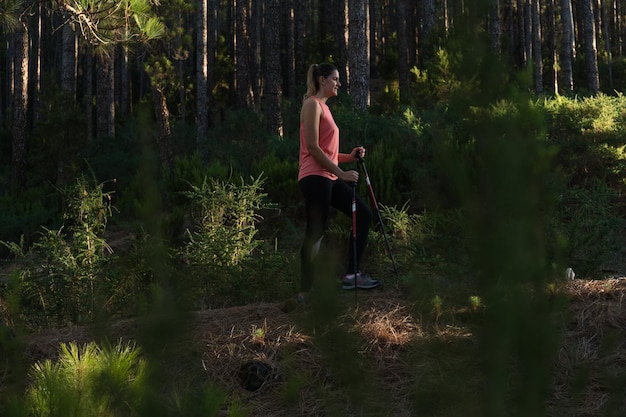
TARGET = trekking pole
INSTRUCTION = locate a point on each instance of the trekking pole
(380, 218)
(354, 254)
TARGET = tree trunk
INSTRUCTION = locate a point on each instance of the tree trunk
(340, 35)
(202, 118)
(567, 46)
(358, 55)
(522, 57)
(528, 31)
(414, 53)
(537, 55)
(88, 66)
(20, 106)
(591, 52)
(164, 131)
(403, 56)
(552, 48)
(68, 60)
(299, 25)
(105, 96)
(426, 44)
(617, 25)
(255, 19)
(495, 25)
(291, 52)
(37, 49)
(607, 41)
(213, 36)
(273, 80)
(243, 86)
(124, 93)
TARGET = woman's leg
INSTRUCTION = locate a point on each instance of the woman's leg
(317, 197)
(342, 201)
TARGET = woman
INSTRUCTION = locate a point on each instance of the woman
(322, 183)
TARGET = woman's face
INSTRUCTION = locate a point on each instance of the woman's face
(330, 85)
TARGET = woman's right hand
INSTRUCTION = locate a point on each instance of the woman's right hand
(350, 176)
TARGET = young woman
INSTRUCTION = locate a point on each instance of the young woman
(323, 183)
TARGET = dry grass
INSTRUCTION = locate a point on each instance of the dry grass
(589, 372)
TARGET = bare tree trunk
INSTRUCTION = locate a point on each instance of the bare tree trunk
(243, 86)
(255, 19)
(273, 79)
(537, 55)
(512, 31)
(446, 16)
(358, 54)
(607, 42)
(414, 52)
(213, 36)
(105, 96)
(495, 25)
(20, 106)
(36, 101)
(528, 31)
(591, 52)
(426, 44)
(202, 118)
(340, 35)
(403, 56)
(567, 47)
(291, 52)
(124, 93)
(551, 18)
(299, 26)
(88, 66)
(68, 60)
(617, 27)
(374, 37)
(521, 34)
(164, 131)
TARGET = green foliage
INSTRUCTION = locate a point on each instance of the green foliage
(108, 22)
(587, 221)
(113, 380)
(22, 216)
(282, 175)
(590, 136)
(227, 260)
(89, 381)
(225, 216)
(433, 242)
(62, 273)
(387, 101)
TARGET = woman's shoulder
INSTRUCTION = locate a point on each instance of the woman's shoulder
(312, 103)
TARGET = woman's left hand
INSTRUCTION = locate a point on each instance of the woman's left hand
(358, 153)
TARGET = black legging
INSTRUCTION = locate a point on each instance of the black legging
(319, 195)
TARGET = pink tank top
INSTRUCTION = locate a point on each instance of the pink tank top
(328, 141)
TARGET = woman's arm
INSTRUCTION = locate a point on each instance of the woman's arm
(357, 152)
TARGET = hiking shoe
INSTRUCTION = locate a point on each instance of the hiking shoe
(363, 281)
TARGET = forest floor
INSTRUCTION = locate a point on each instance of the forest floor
(221, 341)
(413, 360)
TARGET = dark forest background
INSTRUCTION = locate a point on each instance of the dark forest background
(84, 68)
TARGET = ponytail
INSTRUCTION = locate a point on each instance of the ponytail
(312, 77)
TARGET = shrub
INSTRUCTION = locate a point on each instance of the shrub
(586, 219)
(89, 381)
(226, 262)
(63, 272)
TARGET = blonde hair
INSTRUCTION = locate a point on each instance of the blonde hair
(312, 77)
